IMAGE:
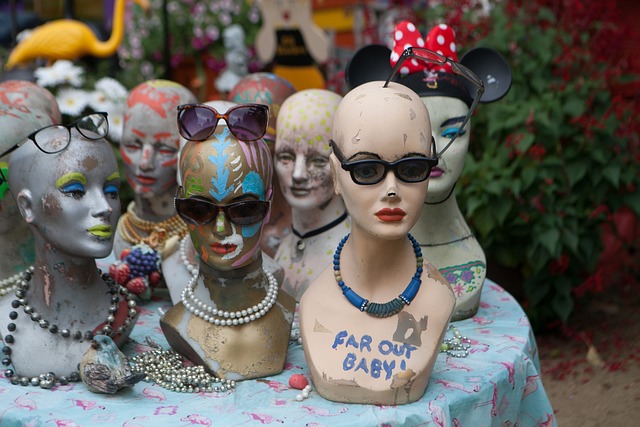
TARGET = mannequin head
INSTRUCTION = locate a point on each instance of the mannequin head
(24, 108)
(302, 148)
(263, 88)
(150, 139)
(221, 171)
(70, 198)
(446, 115)
(389, 124)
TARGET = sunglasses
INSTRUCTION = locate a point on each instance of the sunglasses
(436, 58)
(372, 171)
(247, 122)
(55, 138)
(196, 211)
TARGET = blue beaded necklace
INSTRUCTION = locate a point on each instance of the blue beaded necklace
(375, 309)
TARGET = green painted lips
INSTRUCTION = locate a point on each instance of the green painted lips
(101, 230)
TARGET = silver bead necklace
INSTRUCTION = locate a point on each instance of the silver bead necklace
(220, 317)
(456, 346)
(10, 284)
(165, 368)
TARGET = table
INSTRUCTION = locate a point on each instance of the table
(497, 384)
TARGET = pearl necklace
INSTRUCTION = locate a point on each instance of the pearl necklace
(457, 346)
(10, 284)
(230, 318)
(49, 379)
(157, 232)
(389, 308)
(191, 268)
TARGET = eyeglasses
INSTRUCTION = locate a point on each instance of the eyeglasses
(247, 122)
(436, 58)
(197, 211)
(372, 171)
(55, 138)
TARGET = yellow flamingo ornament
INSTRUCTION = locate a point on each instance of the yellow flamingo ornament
(70, 39)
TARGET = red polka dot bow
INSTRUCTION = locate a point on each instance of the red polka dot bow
(440, 39)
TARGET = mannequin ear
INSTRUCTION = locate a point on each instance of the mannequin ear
(492, 68)
(25, 204)
(335, 165)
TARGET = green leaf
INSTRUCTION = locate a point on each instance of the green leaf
(550, 240)
(562, 302)
(633, 201)
(576, 171)
(612, 174)
(537, 291)
(574, 106)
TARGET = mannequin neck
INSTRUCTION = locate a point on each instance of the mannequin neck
(308, 220)
(440, 221)
(157, 208)
(234, 289)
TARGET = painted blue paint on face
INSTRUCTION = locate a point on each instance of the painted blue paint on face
(253, 184)
(220, 189)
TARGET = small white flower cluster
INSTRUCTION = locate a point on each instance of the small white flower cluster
(66, 80)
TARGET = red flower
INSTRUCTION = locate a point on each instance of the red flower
(559, 265)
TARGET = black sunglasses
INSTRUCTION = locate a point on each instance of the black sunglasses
(372, 171)
(247, 122)
(55, 138)
(436, 58)
(199, 212)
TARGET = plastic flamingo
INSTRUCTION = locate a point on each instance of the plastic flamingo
(70, 39)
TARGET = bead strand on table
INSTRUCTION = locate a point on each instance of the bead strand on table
(456, 346)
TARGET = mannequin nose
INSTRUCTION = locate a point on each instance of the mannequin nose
(102, 207)
(300, 169)
(221, 224)
(146, 163)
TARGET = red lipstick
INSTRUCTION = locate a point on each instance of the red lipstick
(223, 249)
(146, 180)
(390, 215)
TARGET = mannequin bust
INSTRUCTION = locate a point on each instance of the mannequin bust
(272, 90)
(220, 171)
(319, 217)
(444, 235)
(149, 149)
(481, 75)
(69, 197)
(359, 351)
(24, 108)
(179, 266)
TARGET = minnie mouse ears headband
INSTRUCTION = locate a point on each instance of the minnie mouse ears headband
(440, 74)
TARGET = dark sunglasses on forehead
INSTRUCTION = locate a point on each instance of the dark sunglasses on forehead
(372, 171)
(55, 138)
(459, 69)
(196, 211)
(247, 122)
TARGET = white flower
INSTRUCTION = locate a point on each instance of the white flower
(116, 124)
(98, 101)
(61, 72)
(112, 89)
(72, 101)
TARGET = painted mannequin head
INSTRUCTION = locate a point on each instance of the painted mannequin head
(263, 88)
(24, 108)
(150, 139)
(70, 198)
(374, 122)
(223, 170)
(446, 115)
(302, 148)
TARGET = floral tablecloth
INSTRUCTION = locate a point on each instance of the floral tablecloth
(498, 384)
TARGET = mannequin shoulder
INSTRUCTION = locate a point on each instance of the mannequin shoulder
(438, 286)
(319, 289)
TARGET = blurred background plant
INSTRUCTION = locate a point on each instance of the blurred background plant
(551, 183)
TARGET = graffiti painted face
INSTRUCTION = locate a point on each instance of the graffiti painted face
(150, 139)
(75, 197)
(224, 171)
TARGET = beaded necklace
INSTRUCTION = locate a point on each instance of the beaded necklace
(10, 284)
(191, 268)
(220, 317)
(375, 309)
(157, 232)
(49, 379)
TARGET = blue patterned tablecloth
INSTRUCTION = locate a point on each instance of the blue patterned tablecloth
(498, 384)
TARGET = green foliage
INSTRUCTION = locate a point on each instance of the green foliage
(550, 160)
